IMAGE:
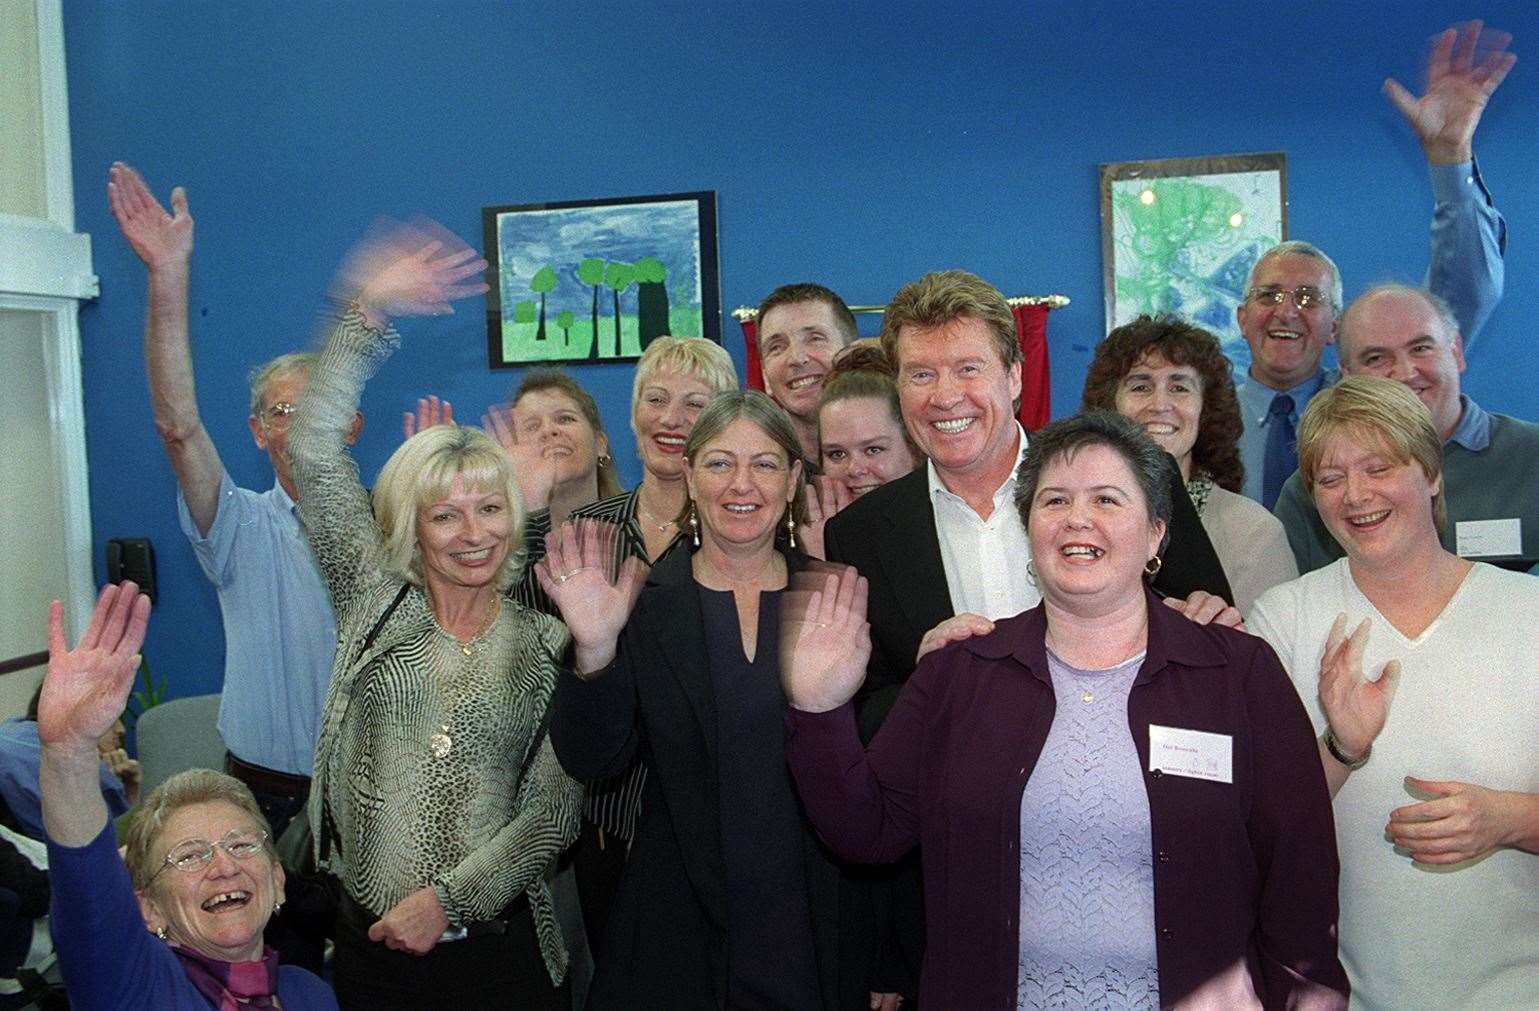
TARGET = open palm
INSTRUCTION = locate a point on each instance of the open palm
(577, 573)
(86, 688)
(1355, 707)
(825, 638)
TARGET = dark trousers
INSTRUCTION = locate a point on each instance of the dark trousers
(598, 861)
(281, 797)
(483, 971)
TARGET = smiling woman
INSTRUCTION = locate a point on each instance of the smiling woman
(437, 800)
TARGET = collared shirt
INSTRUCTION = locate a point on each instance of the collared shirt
(21, 756)
(1473, 431)
(985, 559)
(1256, 409)
(1464, 268)
(279, 633)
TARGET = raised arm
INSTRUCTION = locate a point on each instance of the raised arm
(163, 242)
(83, 694)
(400, 272)
(1464, 68)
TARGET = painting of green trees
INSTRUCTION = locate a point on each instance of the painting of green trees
(588, 281)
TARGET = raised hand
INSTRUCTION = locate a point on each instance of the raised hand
(1461, 822)
(86, 688)
(1355, 707)
(824, 497)
(430, 411)
(409, 270)
(825, 640)
(577, 574)
(536, 473)
(157, 238)
(1464, 68)
(953, 629)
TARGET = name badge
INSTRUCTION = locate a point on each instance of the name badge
(1488, 538)
(1193, 753)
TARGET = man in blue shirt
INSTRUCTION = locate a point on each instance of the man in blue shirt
(278, 626)
(1293, 294)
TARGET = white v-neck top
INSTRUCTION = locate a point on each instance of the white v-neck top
(1467, 710)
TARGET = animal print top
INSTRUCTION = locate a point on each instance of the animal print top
(421, 746)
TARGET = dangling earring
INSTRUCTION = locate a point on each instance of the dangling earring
(1031, 573)
(604, 459)
(1152, 567)
(694, 525)
(791, 524)
(160, 932)
(277, 906)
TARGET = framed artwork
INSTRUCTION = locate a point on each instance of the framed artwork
(1181, 234)
(598, 280)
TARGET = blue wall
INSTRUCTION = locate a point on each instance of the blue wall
(857, 144)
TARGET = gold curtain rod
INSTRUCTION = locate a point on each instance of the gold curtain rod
(744, 313)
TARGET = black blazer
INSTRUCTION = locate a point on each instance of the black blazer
(889, 536)
(665, 945)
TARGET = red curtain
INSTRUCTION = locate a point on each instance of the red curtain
(1036, 389)
(1030, 328)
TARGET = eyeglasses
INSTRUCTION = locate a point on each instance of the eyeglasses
(279, 414)
(1304, 296)
(195, 854)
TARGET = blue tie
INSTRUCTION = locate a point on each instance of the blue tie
(1282, 455)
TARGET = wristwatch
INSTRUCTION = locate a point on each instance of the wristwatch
(1334, 747)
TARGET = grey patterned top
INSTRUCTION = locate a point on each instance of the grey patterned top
(1087, 868)
(421, 747)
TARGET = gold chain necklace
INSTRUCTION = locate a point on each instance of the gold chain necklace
(650, 517)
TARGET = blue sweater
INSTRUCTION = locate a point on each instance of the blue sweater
(108, 957)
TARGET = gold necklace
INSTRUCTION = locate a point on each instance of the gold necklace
(651, 517)
(491, 616)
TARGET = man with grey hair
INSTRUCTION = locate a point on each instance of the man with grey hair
(278, 626)
(1293, 294)
(1490, 461)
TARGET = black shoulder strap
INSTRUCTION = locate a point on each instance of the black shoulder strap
(368, 640)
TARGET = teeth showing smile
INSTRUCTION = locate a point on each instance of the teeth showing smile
(803, 382)
(474, 556)
(670, 440)
(1284, 335)
(1368, 519)
(1160, 428)
(953, 426)
(226, 900)
(1082, 550)
(742, 509)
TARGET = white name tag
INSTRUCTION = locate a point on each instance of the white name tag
(1488, 538)
(1194, 753)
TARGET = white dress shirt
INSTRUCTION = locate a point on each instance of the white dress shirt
(985, 559)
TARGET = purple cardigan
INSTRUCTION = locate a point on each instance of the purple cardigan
(1244, 873)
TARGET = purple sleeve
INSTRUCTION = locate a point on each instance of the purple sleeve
(864, 802)
(1293, 835)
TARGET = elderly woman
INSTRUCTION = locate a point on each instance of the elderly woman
(1172, 378)
(1115, 805)
(724, 901)
(1452, 769)
(199, 857)
(437, 801)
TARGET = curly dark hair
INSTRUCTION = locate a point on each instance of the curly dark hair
(1217, 449)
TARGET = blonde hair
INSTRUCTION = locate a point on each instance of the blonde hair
(1377, 412)
(696, 357)
(938, 298)
(421, 472)
(193, 786)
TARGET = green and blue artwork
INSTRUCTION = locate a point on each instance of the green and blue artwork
(599, 280)
(1184, 243)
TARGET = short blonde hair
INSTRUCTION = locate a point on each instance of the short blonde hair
(695, 357)
(1377, 412)
(192, 786)
(421, 472)
(938, 298)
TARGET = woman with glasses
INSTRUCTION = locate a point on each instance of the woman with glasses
(200, 873)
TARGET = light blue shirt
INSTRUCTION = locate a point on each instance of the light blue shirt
(279, 633)
(1465, 269)
(1473, 431)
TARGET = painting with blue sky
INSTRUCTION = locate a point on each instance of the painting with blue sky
(599, 280)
